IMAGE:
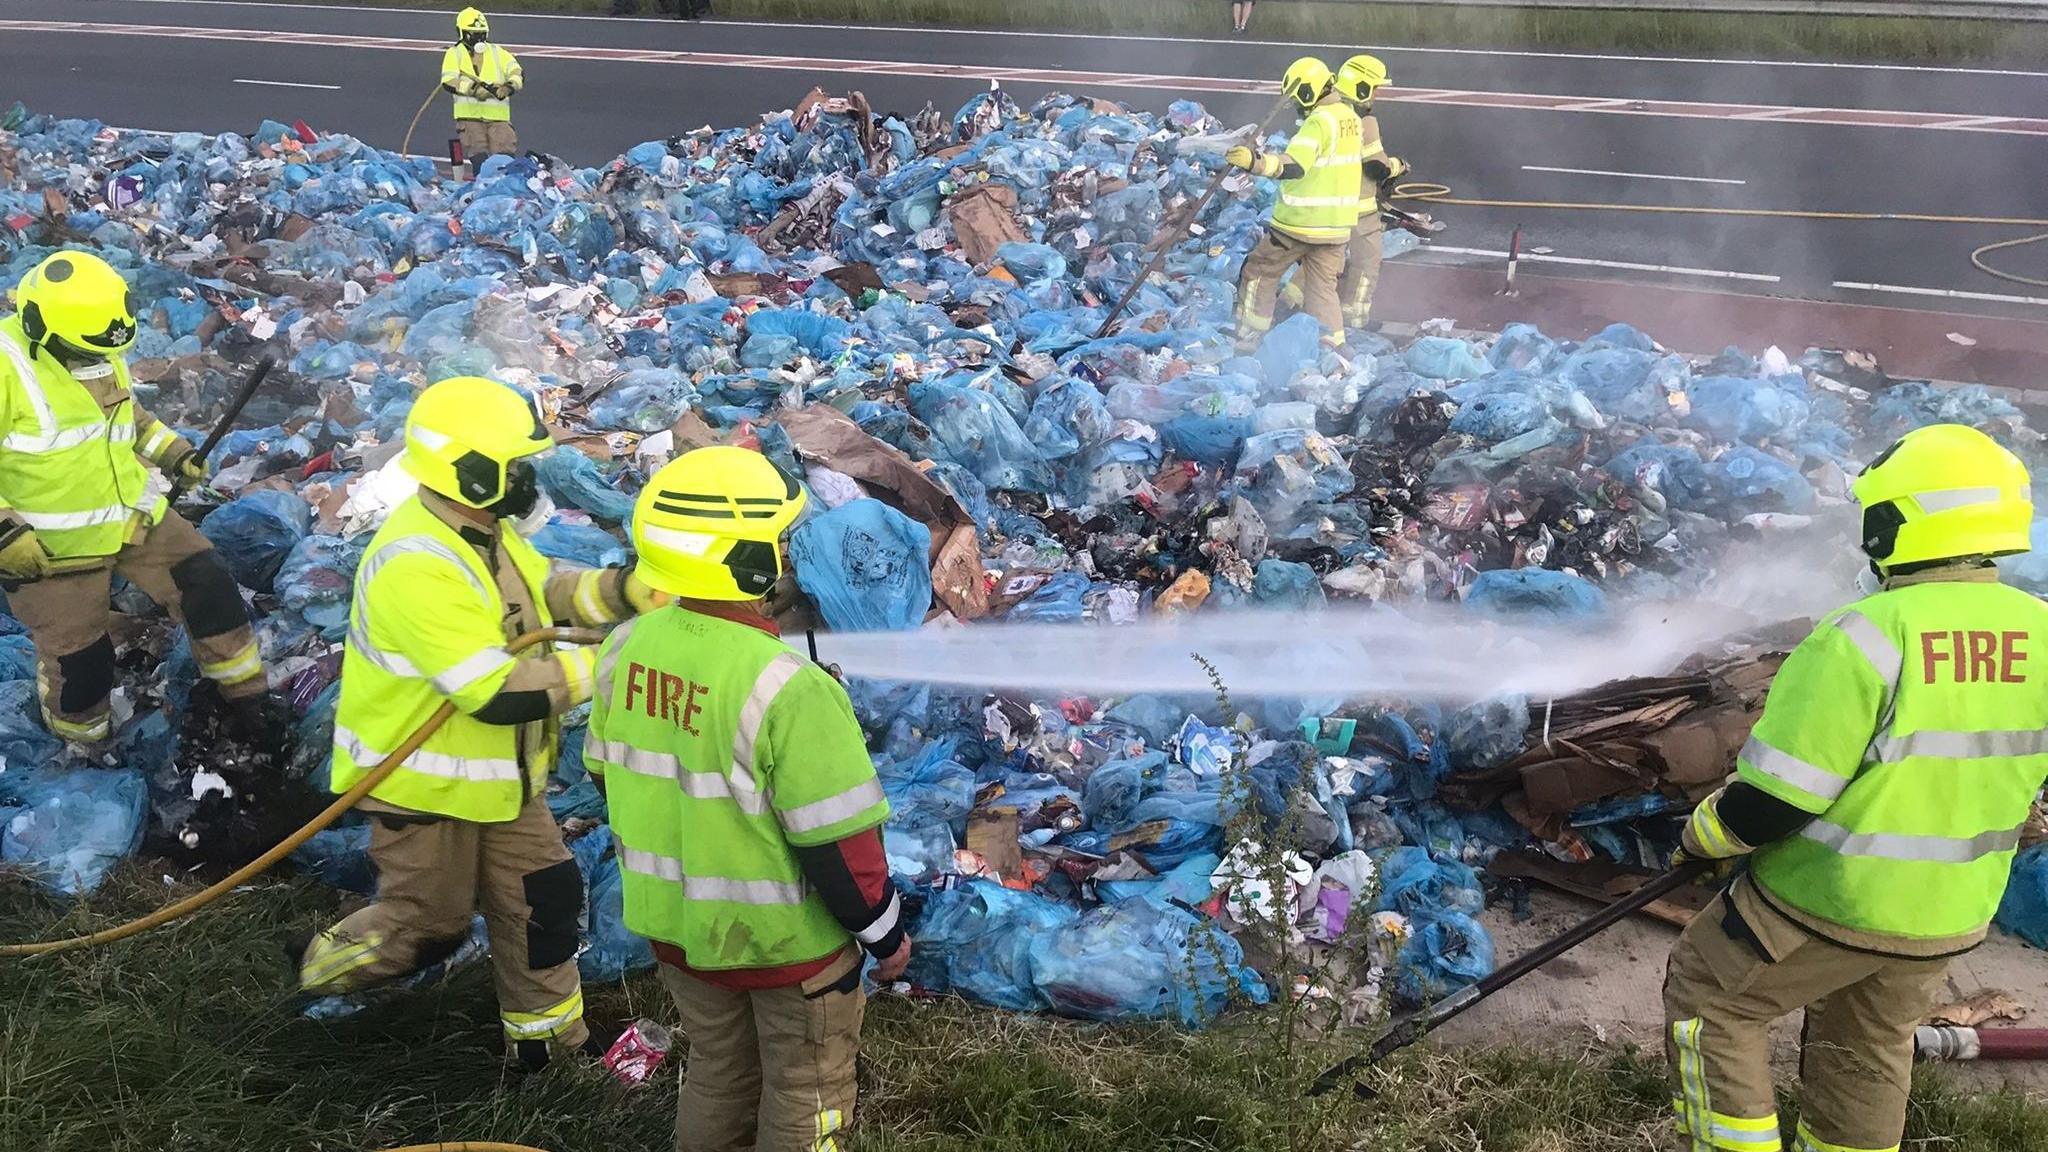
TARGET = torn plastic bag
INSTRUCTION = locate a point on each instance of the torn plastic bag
(1067, 416)
(979, 434)
(1442, 358)
(1487, 734)
(975, 939)
(865, 565)
(68, 828)
(1291, 345)
(316, 578)
(643, 400)
(611, 952)
(1748, 481)
(1733, 408)
(584, 545)
(256, 532)
(1136, 960)
(933, 785)
(1525, 349)
(1418, 884)
(572, 480)
(1448, 951)
(1288, 585)
(1112, 792)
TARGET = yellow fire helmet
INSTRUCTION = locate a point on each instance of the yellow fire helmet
(464, 435)
(1359, 77)
(471, 20)
(1944, 492)
(1306, 81)
(77, 299)
(709, 524)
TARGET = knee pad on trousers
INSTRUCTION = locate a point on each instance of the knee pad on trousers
(555, 893)
(88, 677)
(212, 600)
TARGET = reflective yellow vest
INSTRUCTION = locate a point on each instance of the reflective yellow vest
(720, 748)
(1914, 726)
(459, 69)
(1322, 206)
(68, 466)
(426, 627)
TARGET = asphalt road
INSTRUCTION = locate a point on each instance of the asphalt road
(591, 108)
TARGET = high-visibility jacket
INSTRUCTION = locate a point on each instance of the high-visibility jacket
(1321, 206)
(427, 626)
(721, 749)
(1371, 148)
(1914, 726)
(71, 457)
(461, 73)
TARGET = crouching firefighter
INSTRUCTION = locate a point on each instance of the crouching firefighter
(747, 813)
(462, 824)
(76, 503)
(1319, 177)
(1878, 804)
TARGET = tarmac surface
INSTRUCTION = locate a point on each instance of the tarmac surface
(1533, 126)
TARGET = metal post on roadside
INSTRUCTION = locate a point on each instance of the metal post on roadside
(1514, 258)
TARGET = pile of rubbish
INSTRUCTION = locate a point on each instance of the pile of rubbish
(905, 313)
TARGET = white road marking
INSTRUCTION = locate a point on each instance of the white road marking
(1631, 175)
(927, 31)
(289, 84)
(1950, 293)
(1625, 265)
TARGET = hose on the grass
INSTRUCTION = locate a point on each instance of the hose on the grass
(329, 815)
(1441, 194)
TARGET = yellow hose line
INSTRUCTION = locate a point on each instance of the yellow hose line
(1441, 194)
(1977, 258)
(466, 1146)
(329, 815)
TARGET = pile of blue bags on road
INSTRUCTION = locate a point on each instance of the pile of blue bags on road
(906, 312)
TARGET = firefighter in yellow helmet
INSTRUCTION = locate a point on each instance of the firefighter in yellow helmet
(1317, 211)
(748, 816)
(463, 824)
(1358, 79)
(77, 502)
(1876, 806)
(482, 76)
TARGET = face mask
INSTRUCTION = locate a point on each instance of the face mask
(536, 518)
(1868, 582)
(522, 493)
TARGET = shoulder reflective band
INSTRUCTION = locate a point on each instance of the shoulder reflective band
(1898, 846)
(1790, 769)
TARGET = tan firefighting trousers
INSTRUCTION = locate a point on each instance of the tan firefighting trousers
(67, 616)
(1361, 271)
(1731, 976)
(769, 1071)
(1258, 284)
(485, 138)
(432, 873)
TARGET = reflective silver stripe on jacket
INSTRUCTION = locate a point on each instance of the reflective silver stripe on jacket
(709, 887)
(664, 766)
(359, 615)
(767, 686)
(1899, 846)
(832, 809)
(1890, 748)
(1783, 766)
(483, 769)
(873, 933)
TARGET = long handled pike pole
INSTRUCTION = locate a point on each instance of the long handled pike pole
(1415, 1026)
(1158, 260)
(227, 421)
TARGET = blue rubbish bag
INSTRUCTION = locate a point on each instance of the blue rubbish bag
(585, 545)
(981, 435)
(1541, 591)
(17, 658)
(572, 480)
(1442, 358)
(1746, 481)
(975, 940)
(1414, 883)
(255, 533)
(317, 577)
(1136, 960)
(1488, 734)
(1288, 348)
(865, 565)
(2024, 910)
(70, 827)
(1286, 584)
(613, 952)
(1447, 951)
(339, 858)
(644, 400)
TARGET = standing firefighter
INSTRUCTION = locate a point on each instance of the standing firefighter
(483, 78)
(1879, 801)
(463, 823)
(748, 816)
(1318, 210)
(76, 502)
(1358, 79)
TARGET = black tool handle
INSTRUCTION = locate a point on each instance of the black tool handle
(1159, 257)
(1415, 1026)
(227, 421)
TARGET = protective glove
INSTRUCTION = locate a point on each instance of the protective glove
(502, 91)
(191, 472)
(1717, 872)
(642, 598)
(890, 968)
(1240, 157)
(22, 556)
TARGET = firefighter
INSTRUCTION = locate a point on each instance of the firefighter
(76, 503)
(1358, 79)
(1877, 806)
(1317, 212)
(483, 78)
(748, 816)
(463, 823)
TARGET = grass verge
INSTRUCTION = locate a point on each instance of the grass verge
(182, 1041)
(1338, 22)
